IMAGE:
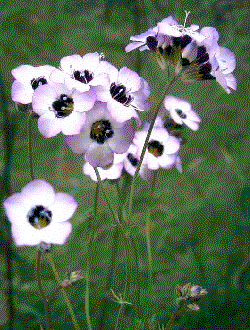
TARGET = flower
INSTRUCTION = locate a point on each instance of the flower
(223, 65)
(181, 112)
(38, 214)
(112, 172)
(126, 93)
(162, 149)
(151, 39)
(61, 109)
(82, 72)
(131, 160)
(27, 79)
(197, 292)
(175, 30)
(101, 137)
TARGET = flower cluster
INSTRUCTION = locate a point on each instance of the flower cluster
(193, 54)
(188, 295)
(88, 100)
(91, 102)
(162, 151)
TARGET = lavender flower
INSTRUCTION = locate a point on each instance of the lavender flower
(38, 214)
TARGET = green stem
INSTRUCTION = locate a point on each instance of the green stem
(172, 318)
(127, 244)
(150, 268)
(90, 241)
(51, 296)
(157, 108)
(115, 216)
(30, 147)
(45, 300)
(73, 317)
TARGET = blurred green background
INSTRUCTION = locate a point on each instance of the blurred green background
(200, 222)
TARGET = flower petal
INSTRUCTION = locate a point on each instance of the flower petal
(49, 125)
(63, 208)
(73, 123)
(25, 235)
(99, 155)
(38, 192)
(21, 93)
(122, 138)
(56, 233)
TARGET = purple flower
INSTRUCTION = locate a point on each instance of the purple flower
(126, 93)
(38, 214)
(223, 65)
(152, 38)
(61, 109)
(162, 149)
(27, 79)
(101, 137)
(181, 112)
(131, 159)
(82, 72)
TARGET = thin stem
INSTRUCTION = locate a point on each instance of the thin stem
(72, 314)
(45, 300)
(51, 296)
(172, 318)
(150, 268)
(90, 240)
(115, 216)
(30, 147)
(127, 244)
(157, 108)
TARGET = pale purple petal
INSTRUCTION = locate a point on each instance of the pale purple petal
(172, 145)
(70, 63)
(145, 173)
(91, 61)
(43, 98)
(83, 101)
(121, 139)
(56, 233)
(79, 143)
(167, 29)
(119, 112)
(191, 124)
(49, 125)
(15, 208)
(226, 60)
(23, 73)
(231, 81)
(99, 155)
(21, 93)
(25, 234)
(38, 192)
(64, 207)
(132, 46)
(130, 79)
(73, 123)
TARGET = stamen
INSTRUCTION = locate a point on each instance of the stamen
(83, 76)
(187, 13)
(64, 106)
(39, 217)
(181, 114)
(155, 148)
(38, 82)
(119, 93)
(101, 131)
(134, 161)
